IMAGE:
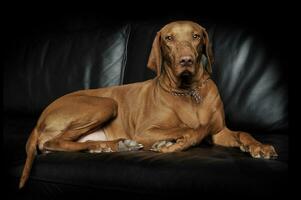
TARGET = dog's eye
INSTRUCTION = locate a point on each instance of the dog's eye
(169, 38)
(196, 36)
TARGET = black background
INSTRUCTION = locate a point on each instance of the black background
(276, 23)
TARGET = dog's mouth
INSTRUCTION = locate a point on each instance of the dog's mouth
(186, 78)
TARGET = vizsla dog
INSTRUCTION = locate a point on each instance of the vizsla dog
(172, 112)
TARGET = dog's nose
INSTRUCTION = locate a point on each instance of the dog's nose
(186, 61)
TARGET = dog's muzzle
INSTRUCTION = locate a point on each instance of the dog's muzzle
(186, 79)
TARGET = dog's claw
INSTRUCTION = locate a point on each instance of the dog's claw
(95, 151)
(160, 144)
(243, 148)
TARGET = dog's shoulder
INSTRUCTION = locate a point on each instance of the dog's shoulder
(211, 91)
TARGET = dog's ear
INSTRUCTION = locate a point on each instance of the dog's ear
(155, 58)
(208, 52)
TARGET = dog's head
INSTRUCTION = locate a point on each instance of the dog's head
(177, 50)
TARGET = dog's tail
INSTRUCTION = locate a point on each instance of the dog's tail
(31, 151)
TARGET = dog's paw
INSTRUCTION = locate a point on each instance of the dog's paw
(160, 145)
(44, 151)
(100, 150)
(260, 151)
(129, 145)
(99, 147)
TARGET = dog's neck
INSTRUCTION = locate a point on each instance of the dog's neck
(167, 82)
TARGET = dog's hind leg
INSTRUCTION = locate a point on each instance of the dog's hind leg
(63, 144)
(68, 119)
(73, 117)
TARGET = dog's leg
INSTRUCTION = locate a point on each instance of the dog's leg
(173, 139)
(222, 136)
(60, 144)
(118, 145)
(188, 139)
(245, 142)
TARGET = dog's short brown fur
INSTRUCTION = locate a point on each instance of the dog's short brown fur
(171, 112)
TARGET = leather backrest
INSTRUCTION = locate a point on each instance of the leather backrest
(44, 66)
(251, 80)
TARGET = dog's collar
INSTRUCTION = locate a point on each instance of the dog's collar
(194, 93)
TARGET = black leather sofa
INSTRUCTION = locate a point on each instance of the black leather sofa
(68, 54)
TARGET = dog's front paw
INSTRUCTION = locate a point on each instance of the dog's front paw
(260, 151)
(161, 145)
(129, 145)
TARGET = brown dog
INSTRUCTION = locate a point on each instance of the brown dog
(171, 112)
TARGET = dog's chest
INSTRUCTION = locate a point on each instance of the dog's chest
(192, 116)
